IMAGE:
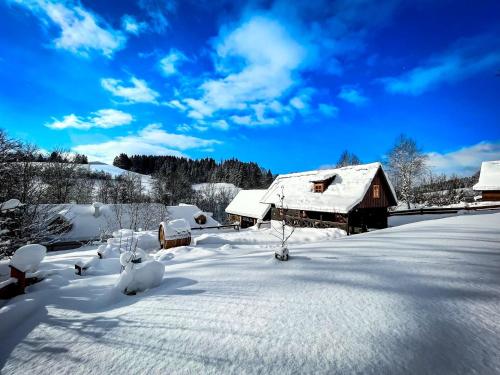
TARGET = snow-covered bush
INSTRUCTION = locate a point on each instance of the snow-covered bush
(127, 240)
(138, 277)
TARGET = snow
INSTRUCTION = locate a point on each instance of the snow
(347, 189)
(206, 187)
(147, 181)
(176, 228)
(421, 298)
(247, 203)
(140, 277)
(489, 177)
(28, 257)
(87, 226)
(10, 205)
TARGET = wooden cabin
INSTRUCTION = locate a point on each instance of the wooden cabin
(247, 210)
(354, 198)
(489, 181)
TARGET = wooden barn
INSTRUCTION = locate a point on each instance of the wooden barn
(247, 210)
(489, 181)
(354, 198)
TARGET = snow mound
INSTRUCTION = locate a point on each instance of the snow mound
(28, 258)
(127, 239)
(141, 277)
(10, 204)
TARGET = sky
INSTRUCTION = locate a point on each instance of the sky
(289, 85)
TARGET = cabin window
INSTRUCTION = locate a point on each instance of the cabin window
(376, 191)
(319, 187)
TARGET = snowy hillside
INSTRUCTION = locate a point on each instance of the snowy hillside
(422, 298)
(116, 172)
(217, 187)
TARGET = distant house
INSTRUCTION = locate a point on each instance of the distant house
(489, 181)
(86, 222)
(352, 198)
(246, 208)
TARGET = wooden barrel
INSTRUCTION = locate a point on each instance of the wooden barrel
(169, 241)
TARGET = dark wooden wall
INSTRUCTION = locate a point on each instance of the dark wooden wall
(493, 195)
(386, 199)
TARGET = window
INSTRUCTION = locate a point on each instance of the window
(318, 187)
(376, 191)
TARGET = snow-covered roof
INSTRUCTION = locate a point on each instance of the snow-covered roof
(489, 178)
(85, 225)
(248, 203)
(347, 189)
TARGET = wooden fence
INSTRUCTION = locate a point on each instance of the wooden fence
(442, 210)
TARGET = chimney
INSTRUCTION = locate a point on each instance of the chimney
(97, 209)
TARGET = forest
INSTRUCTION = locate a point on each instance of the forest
(246, 175)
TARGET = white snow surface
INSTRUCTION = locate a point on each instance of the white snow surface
(147, 181)
(28, 257)
(248, 203)
(176, 228)
(489, 177)
(421, 298)
(346, 191)
(10, 205)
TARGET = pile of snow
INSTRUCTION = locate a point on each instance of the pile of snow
(11, 204)
(248, 203)
(28, 257)
(489, 177)
(139, 274)
(348, 188)
(141, 277)
(125, 240)
(267, 236)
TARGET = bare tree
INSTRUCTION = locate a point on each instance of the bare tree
(347, 158)
(406, 164)
(285, 229)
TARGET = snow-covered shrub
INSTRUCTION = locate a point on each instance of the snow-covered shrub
(138, 277)
(28, 258)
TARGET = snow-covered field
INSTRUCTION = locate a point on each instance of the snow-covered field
(422, 298)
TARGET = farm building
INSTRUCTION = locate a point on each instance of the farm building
(83, 222)
(489, 181)
(352, 198)
(246, 208)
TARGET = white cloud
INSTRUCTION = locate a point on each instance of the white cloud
(151, 140)
(81, 31)
(466, 58)
(158, 12)
(465, 161)
(258, 61)
(170, 63)
(104, 119)
(241, 120)
(132, 26)
(138, 92)
(328, 110)
(352, 95)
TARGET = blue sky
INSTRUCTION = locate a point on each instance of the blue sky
(287, 86)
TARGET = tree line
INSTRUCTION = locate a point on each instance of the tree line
(246, 175)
